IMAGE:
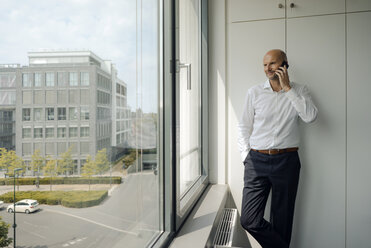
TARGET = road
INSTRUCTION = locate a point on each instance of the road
(128, 218)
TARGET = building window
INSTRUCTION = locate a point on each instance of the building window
(38, 132)
(38, 80)
(61, 132)
(74, 147)
(50, 81)
(62, 114)
(49, 114)
(27, 97)
(39, 146)
(73, 97)
(39, 97)
(49, 132)
(37, 114)
(84, 113)
(26, 80)
(84, 78)
(73, 132)
(73, 113)
(62, 79)
(50, 97)
(26, 132)
(84, 131)
(73, 79)
(62, 96)
(26, 114)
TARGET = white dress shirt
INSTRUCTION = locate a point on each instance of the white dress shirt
(270, 119)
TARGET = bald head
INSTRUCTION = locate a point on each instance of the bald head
(277, 54)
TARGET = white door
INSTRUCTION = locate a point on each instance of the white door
(297, 8)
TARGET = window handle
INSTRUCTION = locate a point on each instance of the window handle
(189, 72)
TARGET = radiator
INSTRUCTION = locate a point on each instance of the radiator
(226, 228)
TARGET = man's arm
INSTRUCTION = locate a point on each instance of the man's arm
(245, 127)
(302, 102)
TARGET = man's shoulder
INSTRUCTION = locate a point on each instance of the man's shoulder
(256, 88)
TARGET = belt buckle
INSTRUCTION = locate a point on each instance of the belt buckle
(269, 151)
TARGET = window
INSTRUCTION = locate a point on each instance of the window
(26, 114)
(50, 80)
(37, 114)
(27, 97)
(74, 147)
(84, 113)
(39, 97)
(49, 132)
(39, 146)
(73, 113)
(62, 114)
(74, 97)
(26, 80)
(85, 97)
(62, 96)
(50, 97)
(38, 80)
(61, 132)
(38, 132)
(26, 132)
(49, 114)
(62, 79)
(84, 132)
(73, 132)
(73, 79)
(84, 78)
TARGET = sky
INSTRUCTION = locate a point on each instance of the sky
(123, 31)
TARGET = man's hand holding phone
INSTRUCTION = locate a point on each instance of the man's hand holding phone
(283, 76)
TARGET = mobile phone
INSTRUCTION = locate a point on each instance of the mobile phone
(285, 63)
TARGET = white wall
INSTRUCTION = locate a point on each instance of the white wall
(330, 54)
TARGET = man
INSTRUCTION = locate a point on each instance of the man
(268, 141)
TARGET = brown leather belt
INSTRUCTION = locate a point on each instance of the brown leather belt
(277, 151)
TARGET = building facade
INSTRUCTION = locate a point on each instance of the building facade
(65, 100)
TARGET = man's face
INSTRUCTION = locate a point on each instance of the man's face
(272, 61)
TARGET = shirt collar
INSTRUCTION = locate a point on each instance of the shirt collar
(267, 85)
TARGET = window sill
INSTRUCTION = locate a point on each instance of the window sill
(199, 226)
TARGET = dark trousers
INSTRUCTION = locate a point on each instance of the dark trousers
(263, 172)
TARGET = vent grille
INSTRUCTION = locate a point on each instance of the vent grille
(224, 232)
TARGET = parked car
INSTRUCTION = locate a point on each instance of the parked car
(1, 204)
(25, 206)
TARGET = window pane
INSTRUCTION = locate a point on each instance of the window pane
(49, 112)
(26, 149)
(38, 80)
(62, 78)
(61, 132)
(26, 80)
(26, 114)
(50, 148)
(74, 96)
(73, 114)
(62, 96)
(26, 132)
(61, 114)
(49, 132)
(50, 79)
(38, 132)
(84, 78)
(61, 147)
(85, 97)
(84, 132)
(84, 113)
(37, 113)
(73, 79)
(84, 147)
(73, 132)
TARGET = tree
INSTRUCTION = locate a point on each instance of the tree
(37, 162)
(101, 161)
(4, 229)
(65, 164)
(90, 168)
(50, 170)
(9, 161)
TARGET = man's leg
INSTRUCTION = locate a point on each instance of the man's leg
(255, 193)
(285, 179)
